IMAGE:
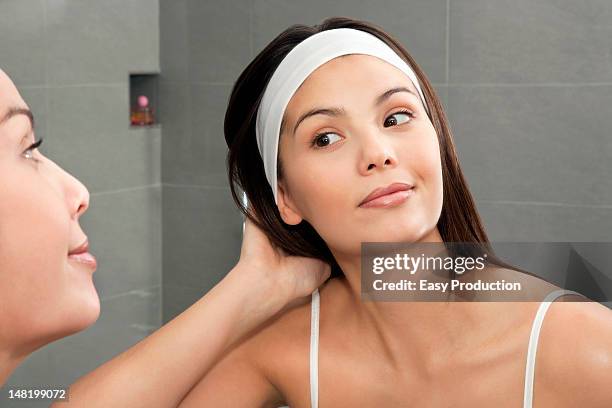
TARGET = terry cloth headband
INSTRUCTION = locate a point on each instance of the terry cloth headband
(297, 65)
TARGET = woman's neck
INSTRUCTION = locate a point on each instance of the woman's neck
(9, 361)
(429, 329)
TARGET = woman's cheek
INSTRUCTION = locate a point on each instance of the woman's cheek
(36, 275)
(432, 173)
(48, 233)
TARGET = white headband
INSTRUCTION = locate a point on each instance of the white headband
(297, 65)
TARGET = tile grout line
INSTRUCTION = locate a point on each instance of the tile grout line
(187, 40)
(545, 203)
(251, 13)
(83, 85)
(46, 67)
(448, 84)
(447, 41)
(129, 292)
(223, 83)
(529, 84)
(198, 186)
(124, 190)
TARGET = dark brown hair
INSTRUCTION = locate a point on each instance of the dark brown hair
(459, 220)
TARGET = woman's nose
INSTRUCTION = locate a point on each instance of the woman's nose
(77, 195)
(79, 199)
(377, 153)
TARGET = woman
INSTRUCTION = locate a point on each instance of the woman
(46, 288)
(352, 121)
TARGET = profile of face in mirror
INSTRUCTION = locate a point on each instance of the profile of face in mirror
(46, 285)
(375, 133)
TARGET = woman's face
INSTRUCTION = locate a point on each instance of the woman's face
(45, 294)
(366, 146)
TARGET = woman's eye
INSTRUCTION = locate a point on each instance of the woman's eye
(322, 138)
(405, 114)
(29, 152)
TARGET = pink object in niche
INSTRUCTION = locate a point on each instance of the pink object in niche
(142, 114)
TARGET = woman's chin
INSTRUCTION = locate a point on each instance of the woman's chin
(406, 230)
(74, 317)
(84, 298)
(90, 311)
(83, 314)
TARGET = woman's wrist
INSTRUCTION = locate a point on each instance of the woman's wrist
(259, 297)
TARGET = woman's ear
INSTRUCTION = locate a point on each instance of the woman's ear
(287, 210)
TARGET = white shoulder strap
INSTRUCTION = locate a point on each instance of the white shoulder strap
(314, 350)
(533, 342)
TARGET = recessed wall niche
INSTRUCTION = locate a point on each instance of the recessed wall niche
(144, 100)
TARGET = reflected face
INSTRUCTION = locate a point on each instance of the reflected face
(45, 293)
(375, 132)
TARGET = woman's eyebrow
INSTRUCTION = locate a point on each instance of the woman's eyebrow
(14, 111)
(340, 111)
(387, 94)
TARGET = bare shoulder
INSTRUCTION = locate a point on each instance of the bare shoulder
(267, 367)
(280, 348)
(576, 352)
(281, 336)
(289, 328)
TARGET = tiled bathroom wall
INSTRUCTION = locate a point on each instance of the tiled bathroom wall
(204, 45)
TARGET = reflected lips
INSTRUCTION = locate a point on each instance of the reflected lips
(81, 254)
(389, 196)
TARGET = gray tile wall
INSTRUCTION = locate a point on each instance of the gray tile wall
(530, 85)
(204, 46)
(527, 87)
(71, 60)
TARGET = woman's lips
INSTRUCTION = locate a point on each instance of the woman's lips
(81, 254)
(389, 200)
(85, 258)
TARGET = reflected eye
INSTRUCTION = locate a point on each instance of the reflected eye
(321, 140)
(400, 114)
(29, 152)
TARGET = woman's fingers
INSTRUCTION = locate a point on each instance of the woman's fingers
(293, 276)
(306, 274)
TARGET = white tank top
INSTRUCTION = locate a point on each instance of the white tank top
(531, 350)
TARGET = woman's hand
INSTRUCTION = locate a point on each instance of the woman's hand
(289, 276)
